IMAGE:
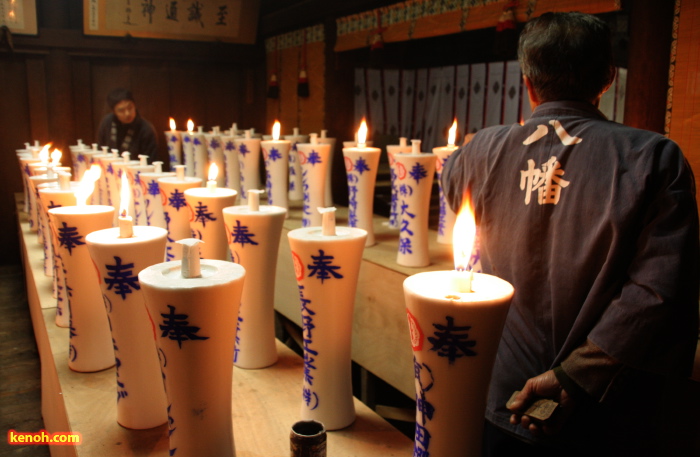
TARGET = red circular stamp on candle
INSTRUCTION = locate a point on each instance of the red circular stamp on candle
(400, 170)
(415, 331)
(348, 164)
(302, 158)
(163, 197)
(438, 165)
(99, 276)
(298, 266)
(392, 160)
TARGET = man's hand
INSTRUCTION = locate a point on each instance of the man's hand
(545, 385)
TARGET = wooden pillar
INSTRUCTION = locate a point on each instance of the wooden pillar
(651, 23)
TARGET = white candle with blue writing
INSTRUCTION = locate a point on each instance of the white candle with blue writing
(327, 264)
(248, 149)
(254, 233)
(194, 319)
(206, 205)
(361, 164)
(415, 172)
(175, 210)
(140, 397)
(314, 158)
(391, 151)
(454, 337)
(276, 157)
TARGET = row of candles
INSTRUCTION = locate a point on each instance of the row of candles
(192, 304)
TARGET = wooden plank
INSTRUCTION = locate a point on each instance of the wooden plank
(266, 402)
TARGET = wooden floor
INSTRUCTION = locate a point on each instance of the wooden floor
(20, 378)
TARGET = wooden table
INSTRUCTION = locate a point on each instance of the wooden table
(266, 402)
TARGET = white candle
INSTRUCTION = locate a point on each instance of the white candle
(126, 223)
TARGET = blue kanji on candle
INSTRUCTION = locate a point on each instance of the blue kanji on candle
(201, 214)
(314, 158)
(177, 200)
(171, 428)
(274, 154)
(176, 327)
(236, 348)
(214, 143)
(243, 149)
(110, 169)
(173, 138)
(322, 267)
(121, 389)
(196, 141)
(405, 246)
(310, 398)
(120, 277)
(169, 246)
(421, 442)
(187, 138)
(452, 341)
(405, 190)
(69, 238)
(53, 205)
(361, 165)
(418, 172)
(307, 336)
(153, 188)
(241, 235)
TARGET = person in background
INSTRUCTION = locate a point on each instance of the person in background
(124, 129)
(596, 226)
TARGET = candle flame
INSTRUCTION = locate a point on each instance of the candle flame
(213, 172)
(276, 128)
(362, 132)
(172, 124)
(87, 185)
(124, 196)
(464, 234)
(56, 157)
(44, 154)
(452, 134)
(190, 125)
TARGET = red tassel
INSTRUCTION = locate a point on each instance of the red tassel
(273, 88)
(303, 84)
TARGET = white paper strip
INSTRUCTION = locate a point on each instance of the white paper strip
(476, 97)
(391, 100)
(462, 100)
(494, 96)
(511, 93)
(408, 97)
(376, 102)
(421, 96)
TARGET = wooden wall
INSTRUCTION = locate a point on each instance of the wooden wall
(54, 87)
(683, 114)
